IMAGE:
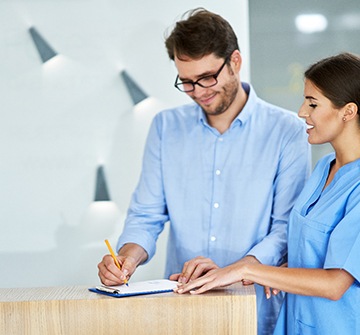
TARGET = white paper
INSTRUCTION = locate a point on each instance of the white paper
(149, 286)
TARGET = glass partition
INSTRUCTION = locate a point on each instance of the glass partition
(287, 36)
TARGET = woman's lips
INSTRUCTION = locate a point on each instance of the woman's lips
(309, 126)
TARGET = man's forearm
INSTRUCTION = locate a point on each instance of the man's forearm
(135, 251)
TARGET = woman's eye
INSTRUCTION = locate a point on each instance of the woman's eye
(312, 105)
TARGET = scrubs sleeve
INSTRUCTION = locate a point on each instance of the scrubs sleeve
(344, 244)
(147, 213)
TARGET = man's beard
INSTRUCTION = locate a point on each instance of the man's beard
(228, 95)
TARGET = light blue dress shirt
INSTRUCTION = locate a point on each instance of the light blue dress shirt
(324, 232)
(225, 195)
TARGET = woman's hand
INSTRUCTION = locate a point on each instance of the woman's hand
(193, 269)
(215, 278)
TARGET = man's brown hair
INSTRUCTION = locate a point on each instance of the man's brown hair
(201, 33)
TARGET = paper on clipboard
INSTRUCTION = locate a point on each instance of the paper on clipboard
(137, 288)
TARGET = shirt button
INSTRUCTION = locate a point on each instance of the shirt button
(212, 238)
(217, 172)
(220, 139)
(216, 205)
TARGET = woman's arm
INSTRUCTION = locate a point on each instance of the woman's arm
(330, 284)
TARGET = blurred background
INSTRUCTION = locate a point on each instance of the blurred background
(66, 111)
(288, 36)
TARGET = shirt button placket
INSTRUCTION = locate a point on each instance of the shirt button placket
(216, 205)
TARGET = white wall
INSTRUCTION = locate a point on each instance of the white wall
(60, 119)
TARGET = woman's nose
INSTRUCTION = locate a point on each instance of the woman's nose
(303, 113)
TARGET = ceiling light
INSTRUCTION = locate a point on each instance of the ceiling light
(311, 23)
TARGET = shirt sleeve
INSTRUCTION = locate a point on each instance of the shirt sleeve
(147, 212)
(293, 171)
(344, 244)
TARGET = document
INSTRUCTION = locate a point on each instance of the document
(136, 288)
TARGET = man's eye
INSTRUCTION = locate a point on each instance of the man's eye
(206, 79)
(313, 105)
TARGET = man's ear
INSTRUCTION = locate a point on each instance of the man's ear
(236, 59)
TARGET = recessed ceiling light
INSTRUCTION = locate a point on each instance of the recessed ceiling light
(311, 23)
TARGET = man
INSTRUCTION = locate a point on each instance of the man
(224, 170)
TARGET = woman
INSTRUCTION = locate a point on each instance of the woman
(323, 273)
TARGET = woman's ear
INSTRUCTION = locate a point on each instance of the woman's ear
(350, 110)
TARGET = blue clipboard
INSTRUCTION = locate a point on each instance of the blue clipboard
(123, 295)
(137, 288)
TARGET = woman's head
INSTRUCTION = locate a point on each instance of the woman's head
(332, 99)
(200, 34)
(338, 78)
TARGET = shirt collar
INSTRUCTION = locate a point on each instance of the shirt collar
(245, 114)
(249, 106)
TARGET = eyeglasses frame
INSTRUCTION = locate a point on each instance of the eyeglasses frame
(215, 76)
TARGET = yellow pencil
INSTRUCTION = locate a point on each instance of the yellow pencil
(115, 259)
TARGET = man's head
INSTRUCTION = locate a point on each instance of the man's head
(201, 33)
(206, 54)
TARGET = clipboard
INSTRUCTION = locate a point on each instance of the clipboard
(136, 288)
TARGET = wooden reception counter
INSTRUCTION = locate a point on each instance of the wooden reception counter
(75, 310)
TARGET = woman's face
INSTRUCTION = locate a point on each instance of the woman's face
(325, 122)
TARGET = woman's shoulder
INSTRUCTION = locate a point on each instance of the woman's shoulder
(325, 160)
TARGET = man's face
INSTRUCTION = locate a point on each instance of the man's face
(214, 100)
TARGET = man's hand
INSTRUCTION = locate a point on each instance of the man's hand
(130, 256)
(248, 260)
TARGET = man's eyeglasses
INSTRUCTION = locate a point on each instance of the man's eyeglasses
(205, 82)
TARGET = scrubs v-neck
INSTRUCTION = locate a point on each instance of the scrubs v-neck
(324, 232)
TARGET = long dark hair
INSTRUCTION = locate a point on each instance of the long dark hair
(338, 78)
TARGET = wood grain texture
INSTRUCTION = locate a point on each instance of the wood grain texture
(75, 310)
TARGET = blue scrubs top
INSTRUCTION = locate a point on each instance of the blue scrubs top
(324, 232)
